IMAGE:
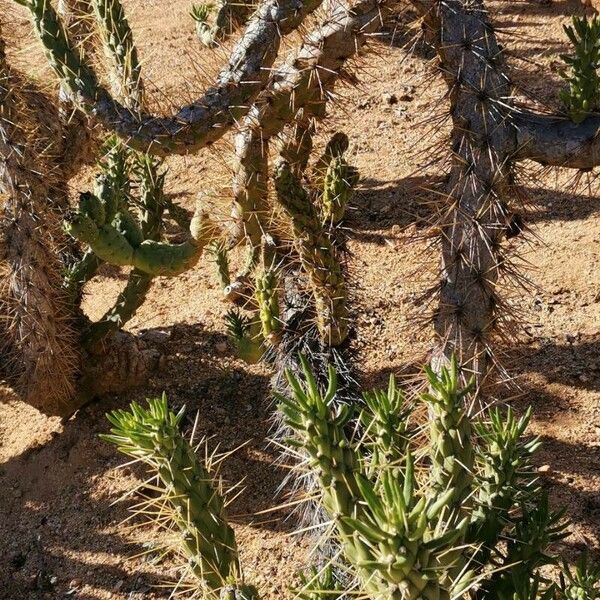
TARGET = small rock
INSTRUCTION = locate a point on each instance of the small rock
(74, 583)
(390, 99)
(544, 469)
(221, 347)
(396, 229)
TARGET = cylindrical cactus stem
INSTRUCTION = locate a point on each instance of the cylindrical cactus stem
(297, 146)
(338, 188)
(208, 542)
(479, 185)
(112, 189)
(117, 39)
(317, 255)
(250, 183)
(194, 125)
(78, 132)
(267, 293)
(38, 335)
(218, 251)
(452, 455)
(302, 83)
(116, 246)
(151, 206)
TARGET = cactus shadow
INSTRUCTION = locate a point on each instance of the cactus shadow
(553, 205)
(379, 205)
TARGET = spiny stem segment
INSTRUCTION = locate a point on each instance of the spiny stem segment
(152, 435)
(317, 255)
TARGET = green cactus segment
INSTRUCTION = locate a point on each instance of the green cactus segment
(119, 47)
(318, 584)
(317, 255)
(504, 475)
(335, 148)
(111, 191)
(391, 531)
(385, 421)
(452, 455)
(218, 251)
(414, 528)
(527, 549)
(152, 435)
(245, 335)
(321, 434)
(583, 94)
(201, 14)
(118, 243)
(582, 583)
(65, 61)
(151, 206)
(267, 299)
(338, 187)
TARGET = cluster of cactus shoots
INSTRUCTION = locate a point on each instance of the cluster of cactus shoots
(120, 223)
(314, 214)
(583, 93)
(460, 514)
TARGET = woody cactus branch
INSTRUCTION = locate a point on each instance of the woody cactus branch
(303, 84)
(195, 125)
(38, 338)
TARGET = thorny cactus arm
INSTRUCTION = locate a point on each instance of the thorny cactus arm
(480, 183)
(197, 124)
(122, 242)
(402, 543)
(557, 141)
(317, 255)
(504, 476)
(117, 39)
(304, 82)
(38, 338)
(196, 505)
(139, 282)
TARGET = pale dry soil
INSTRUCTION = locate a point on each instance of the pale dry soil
(61, 535)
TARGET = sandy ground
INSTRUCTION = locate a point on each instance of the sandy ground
(60, 534)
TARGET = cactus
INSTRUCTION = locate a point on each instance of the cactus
(583, 94)
(122, 242)
(189, 494)
(200, 13)
(190, 128)
(385, 422)
(267, 300)
(245, 335)
(318, 584)
(317, 255)
(338, 187)
(582, 583)
(409, 532)
(218, 251)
